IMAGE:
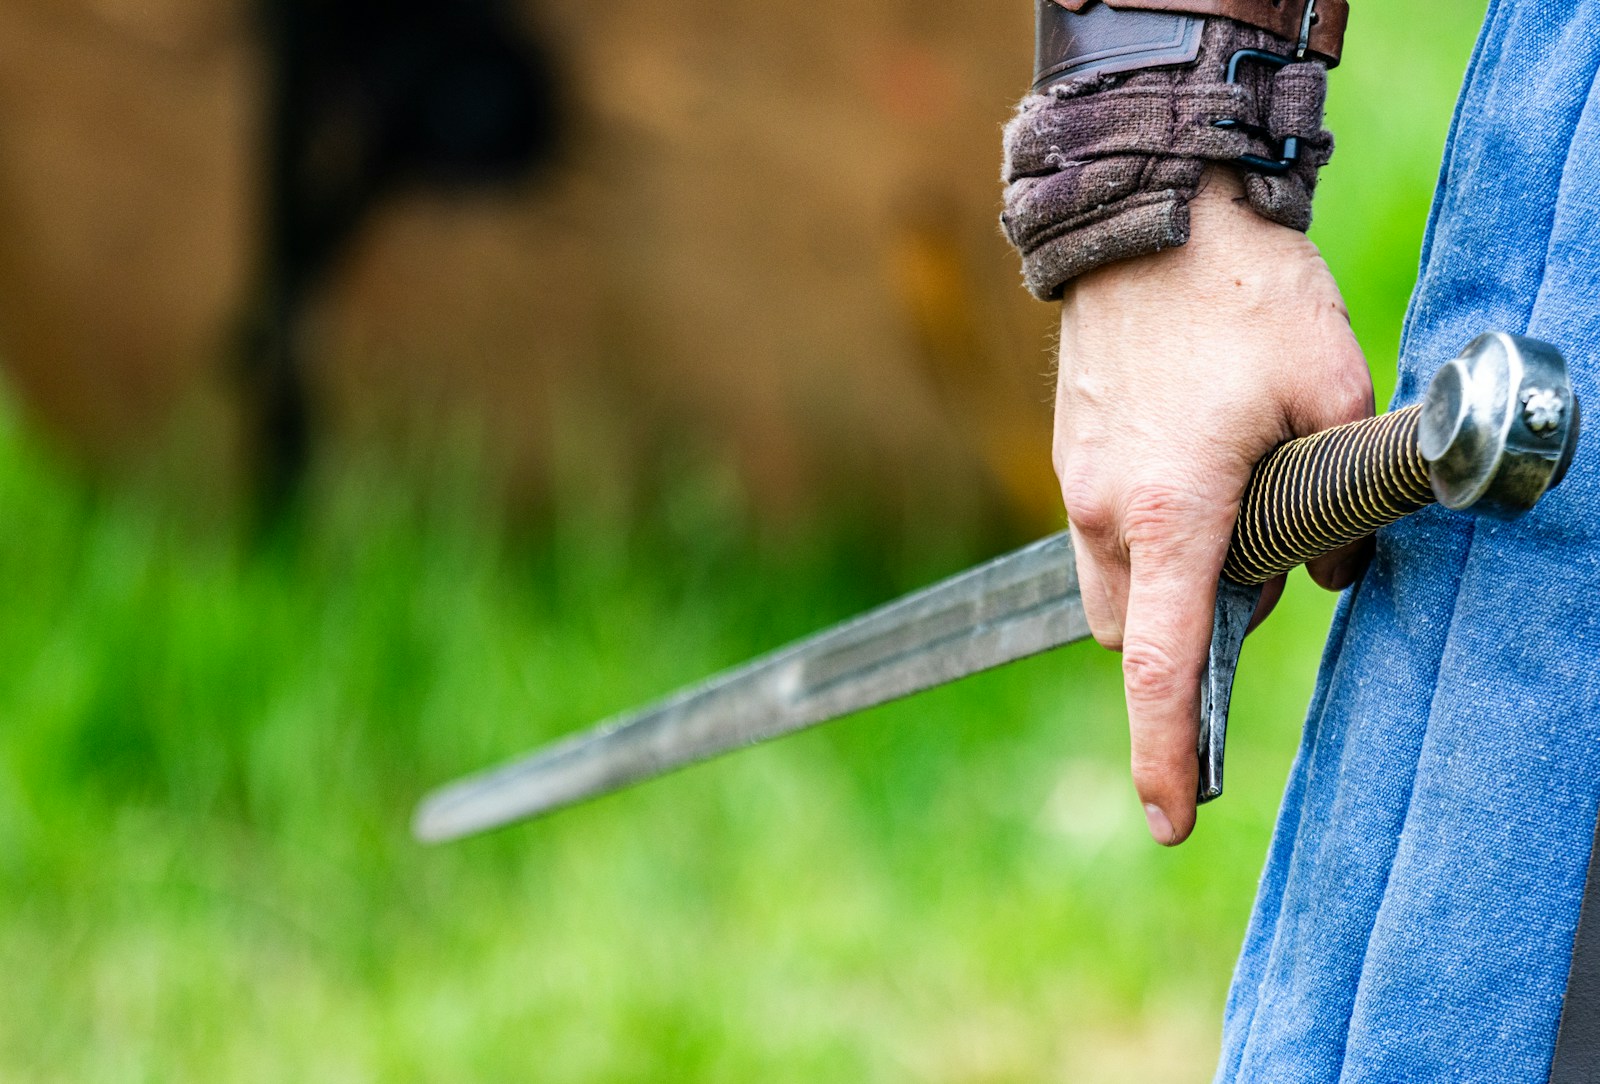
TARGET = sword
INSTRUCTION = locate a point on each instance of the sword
(1496, 431)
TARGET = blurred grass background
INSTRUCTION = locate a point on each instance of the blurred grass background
(209, 752)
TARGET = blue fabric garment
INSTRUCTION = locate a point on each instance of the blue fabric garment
(1416, 914)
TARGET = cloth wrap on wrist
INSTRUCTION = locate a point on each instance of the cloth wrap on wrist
(1102, 168)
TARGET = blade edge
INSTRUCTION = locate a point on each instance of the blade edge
(1014, 606)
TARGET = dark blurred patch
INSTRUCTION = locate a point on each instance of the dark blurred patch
(367, 97)
(765, 255)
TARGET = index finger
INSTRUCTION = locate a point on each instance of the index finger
(1167, 635)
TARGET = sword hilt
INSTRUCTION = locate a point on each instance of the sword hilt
(1495, 432)
(1310, 496)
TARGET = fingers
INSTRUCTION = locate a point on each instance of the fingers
(1174, 565)
(1348, 399)
(1102, 584)
(1341, 568)
(1271, 592)
(1147, 573)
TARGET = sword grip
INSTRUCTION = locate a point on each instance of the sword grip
(1312, 495)
(1496, 430)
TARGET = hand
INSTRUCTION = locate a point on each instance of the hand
(1178, 372)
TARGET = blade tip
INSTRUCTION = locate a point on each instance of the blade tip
(430, 825)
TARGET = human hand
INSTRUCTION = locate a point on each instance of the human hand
(1178, 372)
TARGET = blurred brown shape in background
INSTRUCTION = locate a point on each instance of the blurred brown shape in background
(769, 241)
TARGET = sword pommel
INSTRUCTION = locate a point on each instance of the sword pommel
(1499, 426)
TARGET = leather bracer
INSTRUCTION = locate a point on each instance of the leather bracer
(1131, 105)
(1314, 27)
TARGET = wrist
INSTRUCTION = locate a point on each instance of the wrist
(1236, 268)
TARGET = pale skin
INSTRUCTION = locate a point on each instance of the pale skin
(1178, 372)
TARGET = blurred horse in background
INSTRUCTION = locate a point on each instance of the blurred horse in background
(607, 240)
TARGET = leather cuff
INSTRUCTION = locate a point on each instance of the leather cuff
(1103, 41)
(1314, 29)
(1102, 165)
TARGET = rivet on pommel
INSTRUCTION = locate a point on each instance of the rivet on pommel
(1542, 410)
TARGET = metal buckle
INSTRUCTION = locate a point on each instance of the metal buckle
(1289, 152)
(1307, 21)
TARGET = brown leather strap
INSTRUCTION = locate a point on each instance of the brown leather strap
(1103, 41)
(1283, 18)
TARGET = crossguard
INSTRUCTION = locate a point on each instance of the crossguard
(1496, 431)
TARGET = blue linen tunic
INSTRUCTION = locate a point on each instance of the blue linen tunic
(1416, 913)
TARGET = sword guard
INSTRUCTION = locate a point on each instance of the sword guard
(1236, 604)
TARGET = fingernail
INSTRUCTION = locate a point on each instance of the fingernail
(1160, 827)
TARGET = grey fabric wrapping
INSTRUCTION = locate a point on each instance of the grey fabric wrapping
(1103, 168)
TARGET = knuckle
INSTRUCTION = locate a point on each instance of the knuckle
(1151, 673)
(1343, 397)
(1354, 400)
(1093, 519)
(1158, 513)
(1087, 506)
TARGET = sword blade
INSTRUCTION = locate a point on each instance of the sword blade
(1012, 607)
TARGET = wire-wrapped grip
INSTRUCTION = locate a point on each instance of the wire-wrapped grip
(1315, 494)
(1495, 431)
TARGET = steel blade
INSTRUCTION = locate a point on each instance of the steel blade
(1012, 607)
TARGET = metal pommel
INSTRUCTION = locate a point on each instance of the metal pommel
(1499, 426)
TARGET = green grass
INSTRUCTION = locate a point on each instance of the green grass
(208, 756)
